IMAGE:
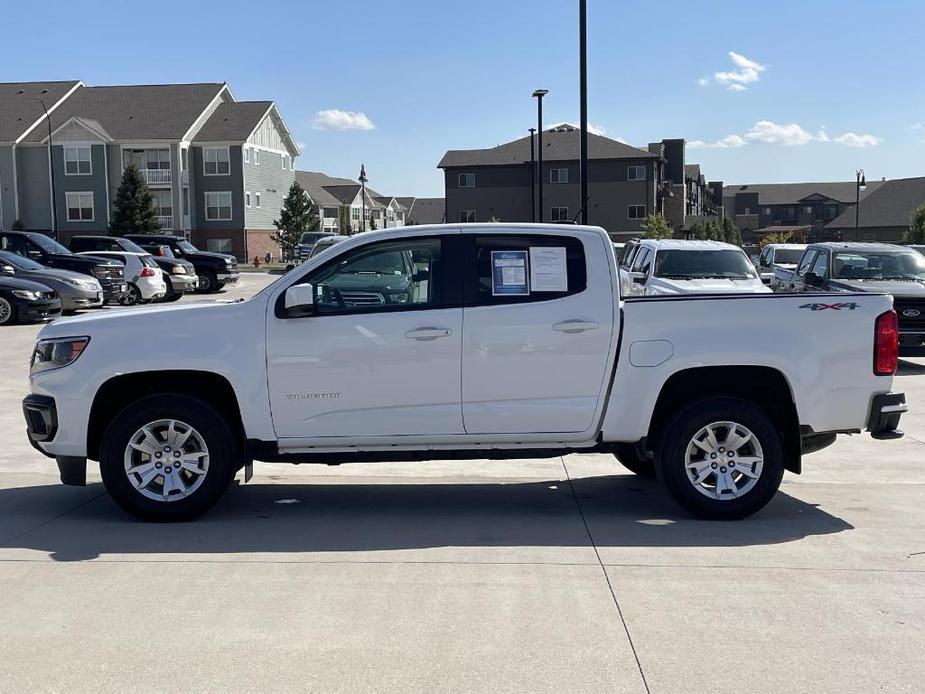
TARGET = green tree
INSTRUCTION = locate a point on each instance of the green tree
(133, 209)
(298, 214)
(731, 233)
(916, 233)
(345, 227)
(697, 231)
(714, 231)
(656, 226)
(372, 223)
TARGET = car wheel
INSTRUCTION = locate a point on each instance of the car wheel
(168, 457)
(721, 458)
(7, 314)
(173, 296)
(219, 286)
(627, 456)
(207, 283)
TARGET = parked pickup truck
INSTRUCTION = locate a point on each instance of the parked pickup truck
(214, 270)
(512, 341)
(777, 262)
(870, 267)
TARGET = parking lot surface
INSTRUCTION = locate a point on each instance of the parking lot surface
(559, 575)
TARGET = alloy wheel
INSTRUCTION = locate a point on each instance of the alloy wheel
(166, 460)
(724, 460)
(6, 312)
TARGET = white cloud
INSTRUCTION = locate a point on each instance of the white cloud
(703, 81)
(858, 140)
(747, 72)
(336, 119)
(773, 134)
(728, 142)
(621, 140)
(596, 129)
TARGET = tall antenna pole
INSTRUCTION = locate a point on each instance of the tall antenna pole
(583, 89)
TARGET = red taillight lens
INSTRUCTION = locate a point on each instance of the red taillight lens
(149, 272)
(886, 344)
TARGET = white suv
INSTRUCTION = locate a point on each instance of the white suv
(145, 278)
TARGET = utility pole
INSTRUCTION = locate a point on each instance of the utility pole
(539, 94)
(51, 176)
(362, 179)
(532, 175)
(583, 89)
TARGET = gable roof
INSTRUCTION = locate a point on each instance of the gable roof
(405, 203)
(20, 109)
(427, 211)
(233, 121)
(560, 143)
(137, 112)
(890, 205)
(793, 193)
(330, 191)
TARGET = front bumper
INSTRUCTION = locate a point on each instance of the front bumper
(114, 292)
(885, 412)
(29, 311)
(41, 415)
(76, 301)
(228, 277)
(183, 283)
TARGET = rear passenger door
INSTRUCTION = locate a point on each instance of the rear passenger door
(535, 362)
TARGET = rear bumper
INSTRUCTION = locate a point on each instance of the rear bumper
(885, 412)
(911, 344)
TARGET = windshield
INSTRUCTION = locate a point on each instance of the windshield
(48, 245)
(391, 263)
(311, 236)
(878, 266)
(20, 262)
(686, 264)
(187, 247)
(131, 247)
(788, 256)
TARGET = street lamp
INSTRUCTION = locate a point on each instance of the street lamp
(583, 99)
(51, 175)
(532, 175)
(539, 94)
(861, 185)
(362, 179)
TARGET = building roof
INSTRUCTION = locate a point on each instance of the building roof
(692, 170)
(20, 108)
(233, 121)
(330, 191)
(891, 204)
(794, 193)
(560, 143)
(781, 229)
(427, 211)
(137, 112)
(405, 203)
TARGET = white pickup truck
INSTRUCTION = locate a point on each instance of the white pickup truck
(462, 341)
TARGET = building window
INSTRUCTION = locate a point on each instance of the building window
(218, 206)
(77, 161)
(355, 214)
(216, 161)
(163, 203)
(808, 209)
(247, 155)
(247, 198)
(558, 175)
(831, 211)
(790, 213)
(285, 162)
(635, 173)
(79, 207)
(467, 180)
(257, 199)
(256, 156)
(765, 211)
(559, 214)
(637, 212)
(467, 216)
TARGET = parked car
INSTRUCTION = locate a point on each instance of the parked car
(325, 243)
(75, 290)
(689, 267)
(781, 257)
(50, 253)
(495, 355)
(145, 278)
(307, 241)
(214, 270)
(870, 267)
(179, 275)
(24, 301)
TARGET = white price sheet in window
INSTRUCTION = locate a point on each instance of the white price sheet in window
(548, 269)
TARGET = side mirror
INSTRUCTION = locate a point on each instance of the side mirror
(812, 279)
(638, 277)
(299, 301)
(764, 262)
(7, 270)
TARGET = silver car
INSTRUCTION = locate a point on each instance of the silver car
(76, 290)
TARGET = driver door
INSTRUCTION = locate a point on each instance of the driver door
(381, 355)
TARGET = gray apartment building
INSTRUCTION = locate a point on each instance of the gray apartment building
(625, 183)
(885, 213)
(219, 168)
(340, 203)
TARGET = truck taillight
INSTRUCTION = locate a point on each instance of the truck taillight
(886, 344)
(149, 272)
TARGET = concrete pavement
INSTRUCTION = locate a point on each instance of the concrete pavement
(552, 575)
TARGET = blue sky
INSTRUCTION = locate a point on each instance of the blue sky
(814, 91)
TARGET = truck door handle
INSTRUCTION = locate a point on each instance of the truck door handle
(574, 326)
(428, 333)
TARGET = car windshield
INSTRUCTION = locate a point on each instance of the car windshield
(878, 266)
(131, 246)
(391, 263)
(48, 245)
(686, 264)
(187, 247)
(311, 236)
(787, 256)
(19, 261)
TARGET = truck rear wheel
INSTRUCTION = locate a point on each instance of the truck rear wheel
(628, 457)
(721, 458)
(167, 457)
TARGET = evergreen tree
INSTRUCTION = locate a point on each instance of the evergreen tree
(345, 227)
(714, 231)
(372, 223)
(297, 215)
(731, 233)
(133, 209)
(656, 226)
(916, 233)
(698, 231)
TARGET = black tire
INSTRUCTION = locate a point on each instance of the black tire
(628, 457)
(173, 296)
(223, 456)
(208, 283)
(219, 286)
(7, 312)
(678, 434)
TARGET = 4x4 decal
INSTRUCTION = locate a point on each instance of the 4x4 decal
(835, 307)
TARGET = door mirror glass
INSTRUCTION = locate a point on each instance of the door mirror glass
(812, 279)
(300, 301)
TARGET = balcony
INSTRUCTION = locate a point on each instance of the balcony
(156, 176)
(166, 222)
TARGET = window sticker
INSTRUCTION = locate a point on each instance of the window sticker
(509, 273)
(548, 269)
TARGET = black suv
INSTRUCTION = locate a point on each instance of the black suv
(215, 270)
(45, 250)
(179, 275)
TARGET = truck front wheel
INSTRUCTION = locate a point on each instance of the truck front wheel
(167, 457)
(721, 458)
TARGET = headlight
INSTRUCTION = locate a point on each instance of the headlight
(178, 270)
(26, 294)
(56, 352)
(399, 298)
(229, 262)
(100, 272)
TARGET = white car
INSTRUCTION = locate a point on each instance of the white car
(689, 267)
(144, 276)
(380, 348)
(777, 261)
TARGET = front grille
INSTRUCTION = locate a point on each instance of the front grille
(115, 273)
(48, 295)
(363, 298)
(908, 322)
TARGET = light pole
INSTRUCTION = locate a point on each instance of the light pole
(362, 179)
(583, 90)
(861, 185)
(51, 175)
(532, 175)
(539, 94)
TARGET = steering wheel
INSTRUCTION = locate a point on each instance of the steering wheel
(334, 293)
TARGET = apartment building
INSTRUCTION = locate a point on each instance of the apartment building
(885, 213)
(219, 168)
(340, 203)
(625, 183)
